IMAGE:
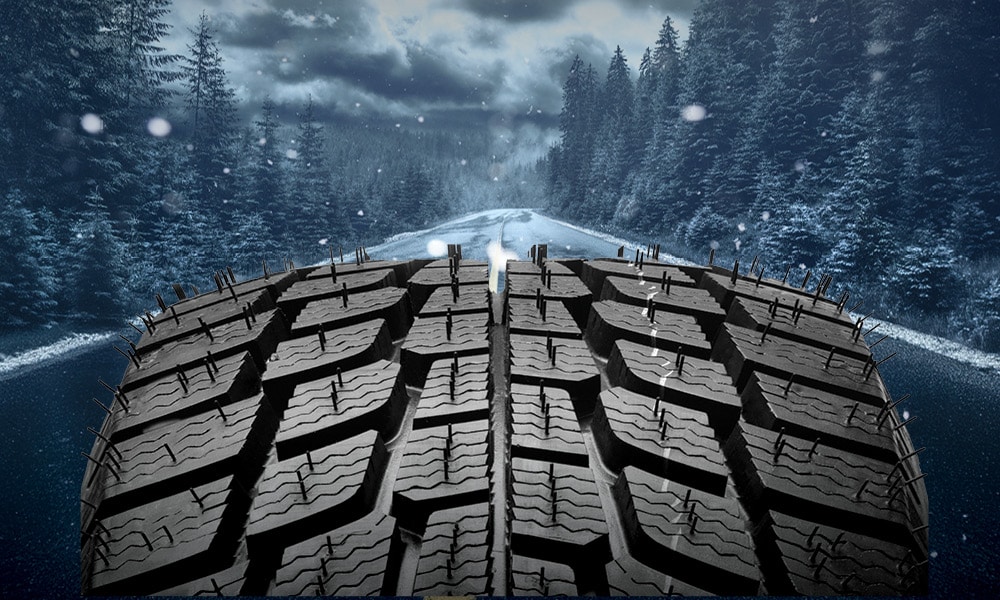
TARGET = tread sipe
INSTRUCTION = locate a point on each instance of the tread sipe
(605, 427)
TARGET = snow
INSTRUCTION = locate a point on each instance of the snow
(35, 356)
(437, 248)
(938, 345)
(92, 124)
(158, 126)
(693, 113)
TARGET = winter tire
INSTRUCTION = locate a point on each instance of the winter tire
(607, 427)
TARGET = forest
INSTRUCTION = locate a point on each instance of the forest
(127, 168)
(856, 139)
(844, 137)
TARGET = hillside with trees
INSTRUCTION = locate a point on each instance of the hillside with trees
(127, 168)
(857, 139)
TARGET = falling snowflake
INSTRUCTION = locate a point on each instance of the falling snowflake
(262, 141)
(92, 124)
(420, 119)
(361, 213)
(877, 76)
(323, 241)
(437, 248)
(765, 215)
(693, 113)
(877, 47)
(906, 415)
(226, 170)
(291, 153)
(463, 162)
(741, 227)
(158, 126)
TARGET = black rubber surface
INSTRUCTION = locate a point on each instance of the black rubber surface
(600, 427)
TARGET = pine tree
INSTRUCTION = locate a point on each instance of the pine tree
(211, 112)
(27, 285)
(570, 175)
(97, 281)
(614, 153)
(266, 194)
(657, 123)
(136, 28)
(724, 58)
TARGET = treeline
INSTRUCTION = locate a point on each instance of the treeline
(127, 168)
(858, 139)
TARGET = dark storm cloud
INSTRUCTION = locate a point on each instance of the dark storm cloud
(591, 51)
(678, 8)
(455, 62)
(516, 11)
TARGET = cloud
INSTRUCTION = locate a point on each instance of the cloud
(457, 62)
(516, 10)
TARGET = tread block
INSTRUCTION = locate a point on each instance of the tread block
(228, 339)
(668, 441)
(556, 513)
(811, 414)
(831, 487)
(227, 582)
(295, 498)
(802, 558)
(428, 342)
(225, 310)
(743, 352)
(402, 269)
(436, 474)
(303, 292)
(527, 267)
(455, 555)
(471, 299)
(629, 577)
(809, 330)
(699, 385)
(574, 369)
(182, 454)
(390, 304)
(439, 274)
(680, 299)
(371, 397)
(570, 290)
(683, 531)
(174, 538)
(444, 263)
(596, 271)
(610, 321)
(524, 317)
(721, 287)
(299, 360)
(166, 397)
(561, 441)
(246, 291)
(357, 559)
(473, 389)
(536, 577)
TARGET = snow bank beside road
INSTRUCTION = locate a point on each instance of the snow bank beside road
(16, 364)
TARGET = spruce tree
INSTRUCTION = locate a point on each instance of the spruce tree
(211, 114)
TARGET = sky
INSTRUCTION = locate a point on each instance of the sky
(435, 64)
